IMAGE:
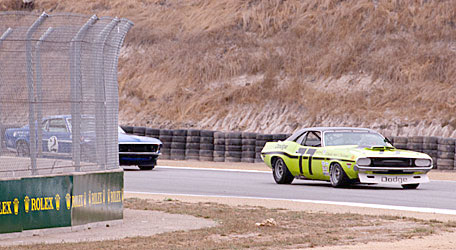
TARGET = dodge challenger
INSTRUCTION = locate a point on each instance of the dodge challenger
(344, 156)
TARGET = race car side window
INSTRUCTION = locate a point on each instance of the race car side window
(44, 125)
(57, 125)
(301, 138)
(313, 139)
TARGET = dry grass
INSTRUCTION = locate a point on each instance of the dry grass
(237, 229)
(201, 63)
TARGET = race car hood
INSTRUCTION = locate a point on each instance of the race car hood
(136, 138)
(385, 152)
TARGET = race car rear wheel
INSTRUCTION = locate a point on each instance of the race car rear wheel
(410, 186)
(281, 173)
(22, 149)
(338, 176)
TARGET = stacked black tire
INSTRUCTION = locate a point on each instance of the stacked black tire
(248, 147)
(233, 147)
(219, 147)
(430, 147)
(206, 152)
(178, 144)
(153, 132)
(400, 142)
(446, 151)
(141, 131)
(279, 137)
(127, 129)
(166, 137)
(261, 140)
(415, 143)
(192, 147)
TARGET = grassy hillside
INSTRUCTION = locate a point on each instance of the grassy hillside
(276, 65)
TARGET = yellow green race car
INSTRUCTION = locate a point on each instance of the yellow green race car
(344, 156)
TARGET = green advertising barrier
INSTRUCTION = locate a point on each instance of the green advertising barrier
(60, 201)
(10, 206)
(44, 202)
(97, 197)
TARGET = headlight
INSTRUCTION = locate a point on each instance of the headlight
(422, 162)
(363, 162)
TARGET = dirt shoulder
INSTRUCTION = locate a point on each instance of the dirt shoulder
(135, 223)
(433, 175)
(445, 240)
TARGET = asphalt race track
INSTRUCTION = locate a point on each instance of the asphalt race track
(439, 195)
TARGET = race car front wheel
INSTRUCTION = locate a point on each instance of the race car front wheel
(338, 176)
(146, 167)
(22, 149)
(410, 186)
(281, 173)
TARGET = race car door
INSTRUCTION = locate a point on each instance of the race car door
(56, 137)
(310, 143)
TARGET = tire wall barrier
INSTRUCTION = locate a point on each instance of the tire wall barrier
(206, 145)
(60, 200)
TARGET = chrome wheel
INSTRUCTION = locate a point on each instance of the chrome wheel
(281, 173)
(278, 169)
(337, 176)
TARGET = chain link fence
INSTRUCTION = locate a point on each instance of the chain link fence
(58, 92)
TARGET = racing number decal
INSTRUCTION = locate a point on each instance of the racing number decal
(301, 151)
(311, 152)
(53, 144)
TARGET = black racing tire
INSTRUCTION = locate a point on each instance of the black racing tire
(22, 149)
(208, 147)
(206, 140)
(153, 132)
(234, 142)
(192, 146)
(193, 139)
(193, 132)
(233, 135)
(146, 167)
(207, 133)
(410, 186)
(281, 173)
(219, 135)
(141, 131)
(338, 176)
(248, 135)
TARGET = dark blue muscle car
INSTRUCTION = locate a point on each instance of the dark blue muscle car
(57, 142)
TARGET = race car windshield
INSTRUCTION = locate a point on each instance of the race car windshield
(363, 139)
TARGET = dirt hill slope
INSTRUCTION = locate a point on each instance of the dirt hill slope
(276, 65)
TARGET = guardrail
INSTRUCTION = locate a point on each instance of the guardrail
(206, 145)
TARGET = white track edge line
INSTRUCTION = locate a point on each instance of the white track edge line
(242, 170)
(339, 203)
(216, 169)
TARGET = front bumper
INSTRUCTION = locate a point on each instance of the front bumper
(127, 159)
(392, 178)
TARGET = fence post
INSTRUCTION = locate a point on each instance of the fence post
(31, 92)
(100, 106)
(39, 90)
(112, 91)
(76, 91)
(2, 38)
